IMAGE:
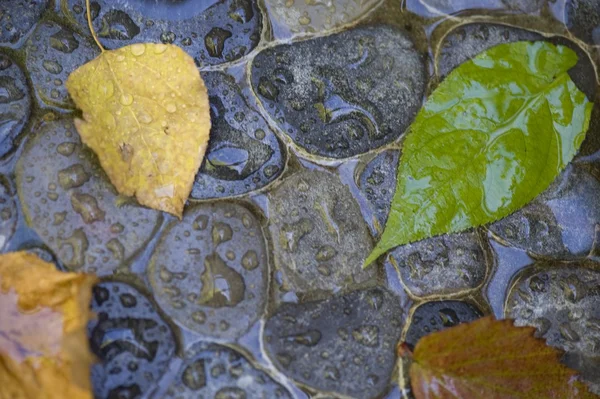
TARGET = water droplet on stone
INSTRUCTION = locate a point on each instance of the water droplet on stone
(250, 260)
(194, 375)
(221, 232)
(87, 207)
(215, 41)
(65, 149)
(52, 67)
(73, 176)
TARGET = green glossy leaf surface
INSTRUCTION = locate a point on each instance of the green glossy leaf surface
(493, 135)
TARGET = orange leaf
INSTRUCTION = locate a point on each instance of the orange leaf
(490, 359)
(44, 351)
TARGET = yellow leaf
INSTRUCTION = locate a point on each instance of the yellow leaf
(146, 115)
(44, 351)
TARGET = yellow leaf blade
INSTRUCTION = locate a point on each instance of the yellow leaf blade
(43, 316)
(146, 115)
(490, 359)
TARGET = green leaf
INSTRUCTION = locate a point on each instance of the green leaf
(493, 135)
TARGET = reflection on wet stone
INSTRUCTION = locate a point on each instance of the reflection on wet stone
(344, 94)
(344, 344)
(15, 102)
(437, 316)
(17, 18)
(201, 275)
(70, 203)
(583, 20)
(243, 153)
(8, 211)
(319, 236)
(211, 32)
(131, 340)
(560, 222)
(433, 8)
(214, 371)
(563, 302)
(52, 53)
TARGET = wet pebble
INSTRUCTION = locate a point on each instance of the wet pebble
(243, 153)
(15, 102)
(319, 237)
(210, 271)
(563, 302)
(211, 32)
(215, 371)
(345, 344)
(132, 341)
(434, 8)
(70, 203)
(18, 18)
(438, 315)
(583, 20)
(8, 211)
(52, 53)
(344, 94)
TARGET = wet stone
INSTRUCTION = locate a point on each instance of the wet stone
(583, 20)
(70, 203)
(131, 340)
(215, 371)
(437, 316)
(211, 32)
(15, 102)
(345, 344)
(320, 239)
(17, 18)
(8, 211)
(290, 17)
(42, 252)
(243, 153)
(563, 302)
(52, 53)
(210, 271)
(433, 8)
(560, 222)
(344, 94)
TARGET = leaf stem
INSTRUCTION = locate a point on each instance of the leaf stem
(89, 20)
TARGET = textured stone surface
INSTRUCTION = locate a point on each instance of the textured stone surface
(52, 53)
(132, 341)
(344, 344)
(210, 271)
(243, 153)
(563, 302)
(314, 16)
(15, 102)
(433, 8)
(561, 222)
(437, 316)
(319, 237)
(344, 94)
(583, 19)
(213, 32)
(68, 200)
(214, 371)
(8, 211)
(17, 18)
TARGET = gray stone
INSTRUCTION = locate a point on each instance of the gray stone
(435, 8)
(15, 102)
(211, 32)
(210, 270)
(583, 19)
(18, 18)
(243, 152)
(319, 237)
(70, 203)
(8, 211)
(132, 341)
(345, 344)
(215, 371)
(563, 302)
(342, 95)
(52, 53)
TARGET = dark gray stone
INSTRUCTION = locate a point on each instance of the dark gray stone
(345, 344)
(342, 95)
(437, 316)
(563, 302)
(211, 32)
(15, 103)
(132, 341)
(52, 53)
(70, 203)
(243, 152)
(210, 270)
(319, 237)
(583, 19)
(215, 371)
(17, 18)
